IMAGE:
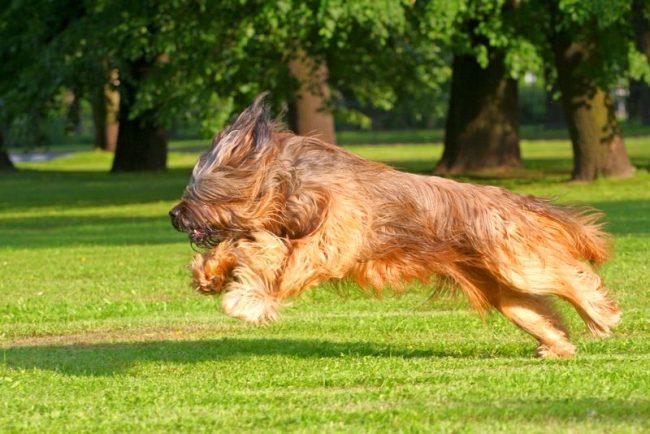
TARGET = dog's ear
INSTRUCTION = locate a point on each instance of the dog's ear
(251, 132)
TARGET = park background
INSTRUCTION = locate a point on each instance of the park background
(99, 330)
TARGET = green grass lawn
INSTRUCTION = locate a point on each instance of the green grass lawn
(100, 331)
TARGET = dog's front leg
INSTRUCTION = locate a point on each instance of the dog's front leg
(270, 269)
(211, 270)
(252, 294)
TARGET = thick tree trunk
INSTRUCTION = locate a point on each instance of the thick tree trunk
(309, 115)
(598, 147)
(5, 161)
(142, 139)
(482, 129)
(105, 107)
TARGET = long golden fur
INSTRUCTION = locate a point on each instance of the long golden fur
(279, 213)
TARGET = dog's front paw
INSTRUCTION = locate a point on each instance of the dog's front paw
(210, 273)
(250, 306)
(212, 285)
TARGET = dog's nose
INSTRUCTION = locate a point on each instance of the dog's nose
(173, 214)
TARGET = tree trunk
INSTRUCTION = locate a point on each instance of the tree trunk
(105, 107)
(554, 116)
(598, 147)
(73, 111)
(5, 161)
(142, 139)
(482, 129)
(309, 115)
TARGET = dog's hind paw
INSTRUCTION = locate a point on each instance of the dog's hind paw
(555, 352)
(250, 306)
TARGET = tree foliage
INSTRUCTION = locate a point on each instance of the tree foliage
(220, 53)
(209, 58)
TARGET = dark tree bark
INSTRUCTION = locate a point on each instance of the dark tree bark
(482, 129)
(641, 30)
(598, 146)
(5, 161)
(73, 112)
(554, 116)
(105, 107)
(308, 113)
(639, 101)
(142, 139)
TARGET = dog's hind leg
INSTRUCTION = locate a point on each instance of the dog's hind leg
(553, 270)
(533, 313)
(536, 316)
(583, 288)
(567, 278)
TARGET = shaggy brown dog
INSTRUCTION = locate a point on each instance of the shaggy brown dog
(280, 213)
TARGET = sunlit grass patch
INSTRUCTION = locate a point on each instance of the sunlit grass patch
(100, 331)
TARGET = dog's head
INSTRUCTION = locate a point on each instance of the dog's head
(232, 190)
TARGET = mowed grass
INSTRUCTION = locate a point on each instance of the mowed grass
(100, 331)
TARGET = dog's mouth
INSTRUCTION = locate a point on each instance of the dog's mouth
(197, 234)
(204, 238)
(200, 236)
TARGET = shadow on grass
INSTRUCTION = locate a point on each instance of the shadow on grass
(62, 231)
(626, 217)
(113, 358)
(29, 189)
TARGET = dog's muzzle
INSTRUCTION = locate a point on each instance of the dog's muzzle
(175, 214)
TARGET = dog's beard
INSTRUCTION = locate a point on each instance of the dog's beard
(205, 238)
(209, 238)
(201, 234)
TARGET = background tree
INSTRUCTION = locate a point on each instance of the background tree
(588, 41)
(639, 100)
(31, 73)
(132, 36)
(219, 63)
(219, 55)
(482, 128)
(142, 138)
(105, 106)
(309, 113)
(5, 161)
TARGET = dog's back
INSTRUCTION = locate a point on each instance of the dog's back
(498, 246)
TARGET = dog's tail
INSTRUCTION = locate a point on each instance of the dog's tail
(590, 240)
(580, 228)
